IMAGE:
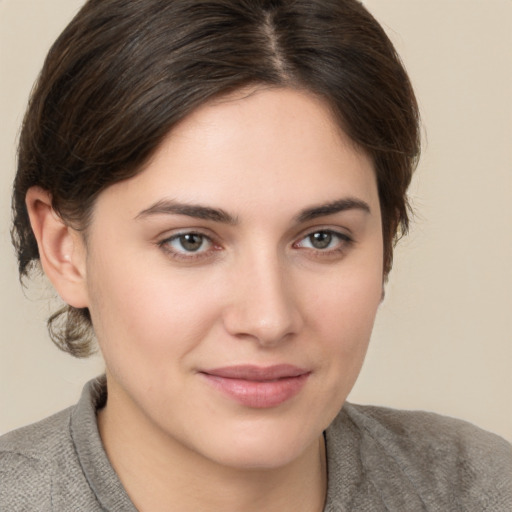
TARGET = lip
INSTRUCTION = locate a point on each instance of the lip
(256, 386)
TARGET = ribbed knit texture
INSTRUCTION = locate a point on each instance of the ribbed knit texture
(378, 460)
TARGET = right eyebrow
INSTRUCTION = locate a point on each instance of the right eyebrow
(170, 207)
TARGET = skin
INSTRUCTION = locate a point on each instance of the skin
(258, 290)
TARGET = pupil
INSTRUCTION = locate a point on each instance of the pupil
(191, 242)
(321, 240)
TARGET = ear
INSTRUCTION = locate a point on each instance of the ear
(61, 248)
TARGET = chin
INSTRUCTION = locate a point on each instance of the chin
(260, 460)
(263, 446)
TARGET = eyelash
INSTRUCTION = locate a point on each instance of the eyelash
(187, 255)
(344, 241)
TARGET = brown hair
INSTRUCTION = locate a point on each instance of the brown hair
(124, 72)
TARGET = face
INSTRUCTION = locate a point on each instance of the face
(233, 283)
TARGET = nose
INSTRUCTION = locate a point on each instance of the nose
(263, 305)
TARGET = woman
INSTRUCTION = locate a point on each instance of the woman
(214, 188)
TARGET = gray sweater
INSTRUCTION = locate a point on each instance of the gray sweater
(378, 460)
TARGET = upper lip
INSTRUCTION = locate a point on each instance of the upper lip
(257, 373)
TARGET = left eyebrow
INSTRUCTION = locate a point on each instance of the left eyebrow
(340, 205)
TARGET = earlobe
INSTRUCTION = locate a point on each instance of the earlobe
(61, 248)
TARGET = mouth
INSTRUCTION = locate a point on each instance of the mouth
(258, 387)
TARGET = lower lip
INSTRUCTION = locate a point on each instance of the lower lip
(259, 394)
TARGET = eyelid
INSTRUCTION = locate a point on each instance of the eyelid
(164, 244)
(344, 233)
(177, 232)
(345, 240)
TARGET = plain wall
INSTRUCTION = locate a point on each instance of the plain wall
(443, 337)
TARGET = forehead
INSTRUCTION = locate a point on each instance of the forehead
(269, 117)
(259, 148)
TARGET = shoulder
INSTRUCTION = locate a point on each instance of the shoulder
(427, 432)
(39, 443)
(58, 464)
(444, 459)
(30, 459)
(35, 462)
(39, 439)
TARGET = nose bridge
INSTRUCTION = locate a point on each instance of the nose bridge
(263, 305)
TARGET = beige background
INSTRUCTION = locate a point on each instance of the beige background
(443, 339)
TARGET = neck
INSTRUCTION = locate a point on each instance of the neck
(159, 473)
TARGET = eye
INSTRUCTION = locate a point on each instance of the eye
(187, 243)
(324, 240)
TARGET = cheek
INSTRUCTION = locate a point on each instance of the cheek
(147, 314)
(348, 326)
(344, 318)
(346, 303)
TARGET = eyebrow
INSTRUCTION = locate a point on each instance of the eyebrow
(331, 208)
(170, 207)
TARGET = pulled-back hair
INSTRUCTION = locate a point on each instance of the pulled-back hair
(124, 72)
